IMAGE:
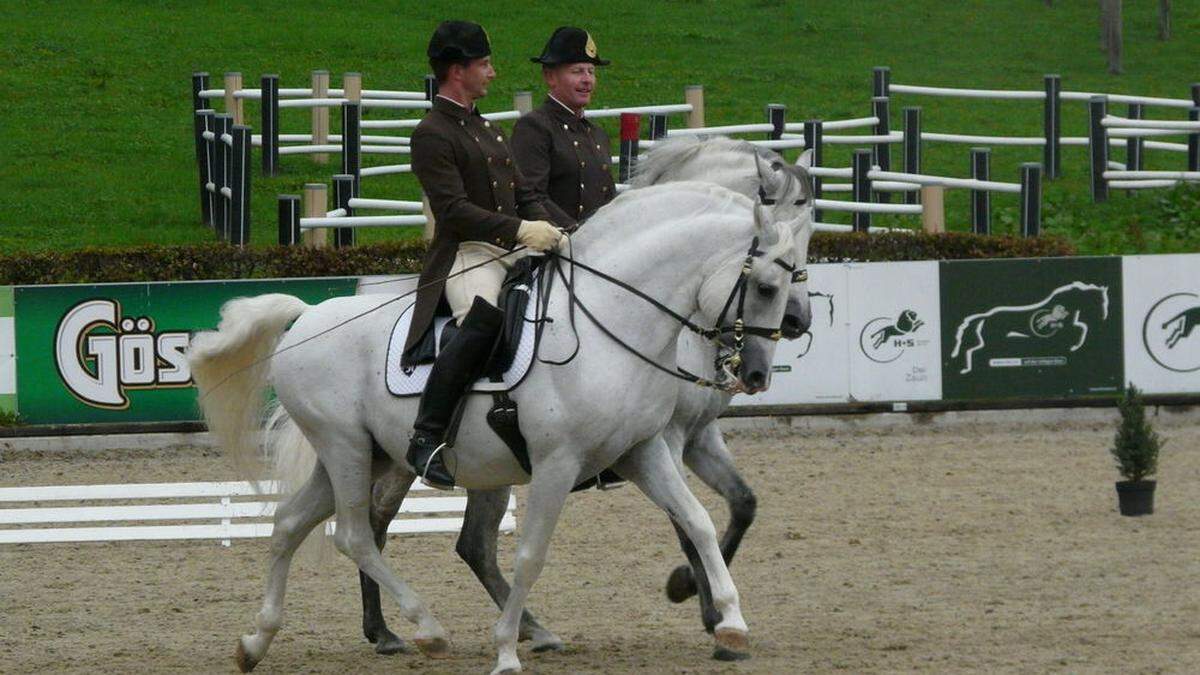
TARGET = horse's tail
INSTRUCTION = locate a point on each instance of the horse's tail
(230, 367)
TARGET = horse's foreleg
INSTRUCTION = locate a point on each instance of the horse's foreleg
(295, 517)
(650, 466)
(387, 495)
(691, 578)
(547, 493)
(709, 458)
(477, 547)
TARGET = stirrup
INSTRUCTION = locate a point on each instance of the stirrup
(425, 470)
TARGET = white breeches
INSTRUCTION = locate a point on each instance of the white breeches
(483, 281)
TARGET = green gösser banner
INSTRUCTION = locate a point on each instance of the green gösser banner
(115, 352)
(1031, 328)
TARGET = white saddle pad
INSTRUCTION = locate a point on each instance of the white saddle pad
(401, 383)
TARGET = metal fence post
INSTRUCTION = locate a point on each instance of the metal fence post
(289, 220)
(776, 114)
(1031, 199)
(1052, 127)
(981, 200)
(912, 148)
(1098, 146)
(814, 135)
(862, 188)
(270, 125)
(343, 190)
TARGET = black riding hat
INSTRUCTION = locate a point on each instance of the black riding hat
(459, 41)
(569, 45)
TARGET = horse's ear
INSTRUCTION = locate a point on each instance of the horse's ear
(767, 228)
(805, 160)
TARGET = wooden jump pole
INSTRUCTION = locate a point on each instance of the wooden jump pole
(320, 114)
(693, 95)
(234, 105)
(933, 209)
(316, 205)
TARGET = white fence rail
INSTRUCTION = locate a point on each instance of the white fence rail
(97, 513)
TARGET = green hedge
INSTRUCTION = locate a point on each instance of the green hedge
(217, 261)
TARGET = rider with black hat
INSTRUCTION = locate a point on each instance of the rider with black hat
(563, 156)
(482, 210)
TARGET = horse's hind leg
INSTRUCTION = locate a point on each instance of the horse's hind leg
(295, 517)
(387, 495)
(477, 547)
(349, 468)
(709, 458)
(650, 466)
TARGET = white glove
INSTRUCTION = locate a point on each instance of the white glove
(539, 235)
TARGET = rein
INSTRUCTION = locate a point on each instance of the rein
(727, 363)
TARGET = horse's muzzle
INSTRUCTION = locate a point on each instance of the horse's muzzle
(793, 326)
(754, 382)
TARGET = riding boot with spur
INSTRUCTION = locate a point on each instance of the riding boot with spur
(459, 364)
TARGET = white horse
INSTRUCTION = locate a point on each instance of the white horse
(693, 434)
(691, 246)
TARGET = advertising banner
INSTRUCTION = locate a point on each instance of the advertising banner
(816, 367)
(1031, 328)
(895, 328)
(8, 353)
(115, 352)
(1162, 312)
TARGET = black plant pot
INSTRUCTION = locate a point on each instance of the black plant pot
(1136, 498)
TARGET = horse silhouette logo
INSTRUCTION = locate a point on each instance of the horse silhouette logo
(1169, 332)
(1072, 307)
(883, 340)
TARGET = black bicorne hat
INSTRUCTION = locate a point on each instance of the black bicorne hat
(569, 45)
(459, 41)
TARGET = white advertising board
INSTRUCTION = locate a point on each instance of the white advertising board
(816, 367)
(895, 331)
(1162, 322)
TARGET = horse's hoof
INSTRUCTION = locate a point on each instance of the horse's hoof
(731, 645)
(680, 585)
(389, 643)
(554, 645)
(434, 648)
(244, 662)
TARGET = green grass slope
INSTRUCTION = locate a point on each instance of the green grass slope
(97, 141)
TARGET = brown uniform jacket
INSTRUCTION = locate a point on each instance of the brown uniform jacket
(565, 160)
(474, 191)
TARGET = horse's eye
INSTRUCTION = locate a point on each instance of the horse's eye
(767, 290)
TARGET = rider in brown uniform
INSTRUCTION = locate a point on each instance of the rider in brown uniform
(482, 211)
(564, 157)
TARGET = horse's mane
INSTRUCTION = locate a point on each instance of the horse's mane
(672, 152)
(613, 219)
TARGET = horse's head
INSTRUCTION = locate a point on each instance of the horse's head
(746, 299)
(759, 173)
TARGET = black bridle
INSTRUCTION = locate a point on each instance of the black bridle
(729, 357)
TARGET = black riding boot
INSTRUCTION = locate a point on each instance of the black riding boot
(458, 366)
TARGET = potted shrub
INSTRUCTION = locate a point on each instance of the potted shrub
(1135, 447)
